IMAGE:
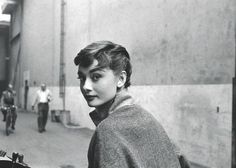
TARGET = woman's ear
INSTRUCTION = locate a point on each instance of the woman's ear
(121, 79)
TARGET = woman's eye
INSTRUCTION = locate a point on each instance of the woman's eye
(95, 77)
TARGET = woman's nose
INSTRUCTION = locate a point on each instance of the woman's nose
(87, 85)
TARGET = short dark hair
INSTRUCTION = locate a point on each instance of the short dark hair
(108, 54)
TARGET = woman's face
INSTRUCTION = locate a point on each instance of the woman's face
(98, 85)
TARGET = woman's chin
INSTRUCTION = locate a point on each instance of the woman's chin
(98, 103)
(92, 104)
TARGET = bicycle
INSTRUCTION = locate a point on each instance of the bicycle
(9, 117)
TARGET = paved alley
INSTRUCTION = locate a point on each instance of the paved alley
(58, 147)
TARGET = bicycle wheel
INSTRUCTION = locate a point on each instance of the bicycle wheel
(8, 121)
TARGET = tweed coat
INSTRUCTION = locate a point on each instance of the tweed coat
(129, 137)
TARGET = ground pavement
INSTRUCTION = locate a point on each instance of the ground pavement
(58, 147)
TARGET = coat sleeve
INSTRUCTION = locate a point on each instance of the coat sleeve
(108, 150)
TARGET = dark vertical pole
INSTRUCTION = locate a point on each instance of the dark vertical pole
(233, 158)
(7, 59)
(233, 161)
(62, 59)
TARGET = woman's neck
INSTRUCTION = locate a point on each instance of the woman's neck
(103, 110)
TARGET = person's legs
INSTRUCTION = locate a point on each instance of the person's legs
(40, 117)
(8, 122)
(45, 116)
(4, 112)
(25, 102)
(14, 116)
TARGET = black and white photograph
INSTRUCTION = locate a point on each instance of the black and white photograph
(117, 84)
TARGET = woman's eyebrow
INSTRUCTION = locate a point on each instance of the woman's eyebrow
(99, 68)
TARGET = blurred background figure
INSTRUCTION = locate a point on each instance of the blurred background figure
(8, 100)
(26, 94)
(43, 97)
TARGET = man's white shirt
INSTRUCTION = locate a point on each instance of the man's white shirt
(44, 96)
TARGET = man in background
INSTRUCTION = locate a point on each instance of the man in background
(43, 97)
(26, 90)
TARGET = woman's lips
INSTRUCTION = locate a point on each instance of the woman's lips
(90, 97)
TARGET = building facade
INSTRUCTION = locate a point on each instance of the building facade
(182, 53)
(4, 34)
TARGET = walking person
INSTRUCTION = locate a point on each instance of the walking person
(8, 100)
(26, 90)
(126, 135)
(43, 97)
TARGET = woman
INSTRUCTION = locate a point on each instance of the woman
(126, 135)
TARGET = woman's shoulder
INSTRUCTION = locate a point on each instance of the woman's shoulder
(133, 111)
(127, 116)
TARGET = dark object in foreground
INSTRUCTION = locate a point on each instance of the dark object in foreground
(183, 161)
(15, 162)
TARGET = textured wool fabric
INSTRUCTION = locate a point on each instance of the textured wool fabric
(129, 137)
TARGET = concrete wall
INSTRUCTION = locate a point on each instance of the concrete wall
(3, 54)
(38, 42)
(181, 42)
(40, 47)
(16, 20)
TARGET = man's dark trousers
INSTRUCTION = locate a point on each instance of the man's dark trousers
(42, 116)
(4, 112)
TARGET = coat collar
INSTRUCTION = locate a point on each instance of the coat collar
(121, 99)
